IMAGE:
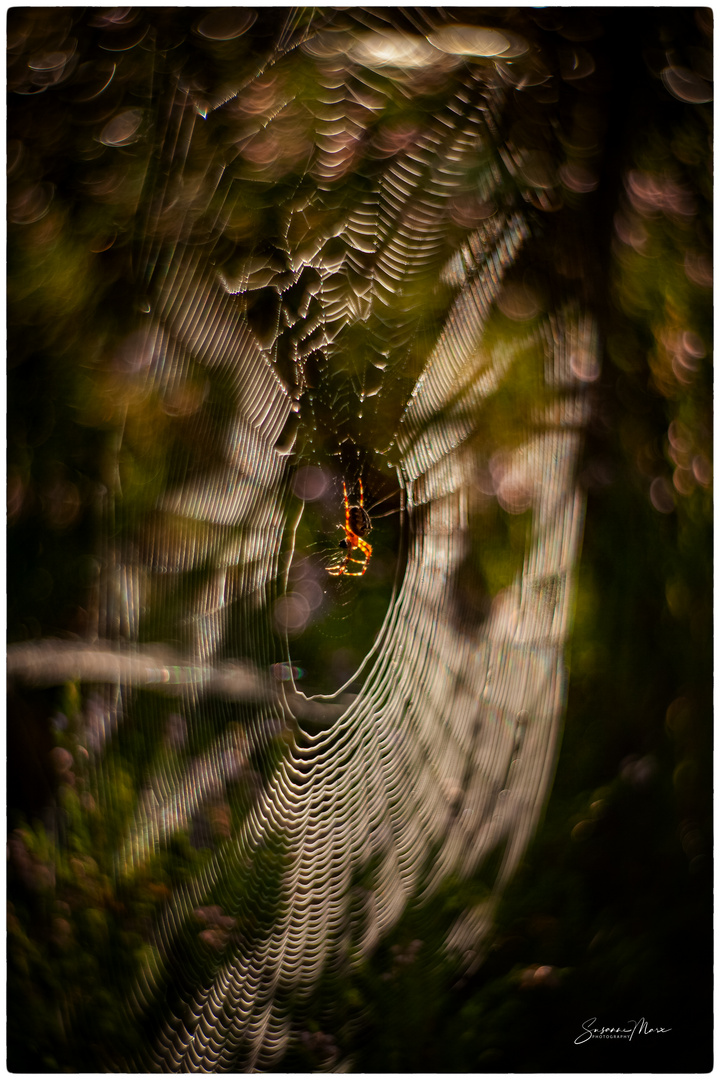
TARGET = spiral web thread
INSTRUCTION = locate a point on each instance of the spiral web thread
(446, 753)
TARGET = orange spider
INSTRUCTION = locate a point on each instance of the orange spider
(357, 525)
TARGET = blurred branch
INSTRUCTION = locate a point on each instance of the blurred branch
(53, 662)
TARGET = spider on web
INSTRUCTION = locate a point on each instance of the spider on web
(357, 525)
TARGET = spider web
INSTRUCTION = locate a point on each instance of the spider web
(339, 317)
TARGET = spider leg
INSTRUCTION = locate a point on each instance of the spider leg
(347, 509)
(366, 550)
(356, 573)
(362, 501)
(352, 542)
(339, 568)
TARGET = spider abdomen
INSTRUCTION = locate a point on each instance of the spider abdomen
(359, 520)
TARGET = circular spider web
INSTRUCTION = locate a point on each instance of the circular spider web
(356, 319)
